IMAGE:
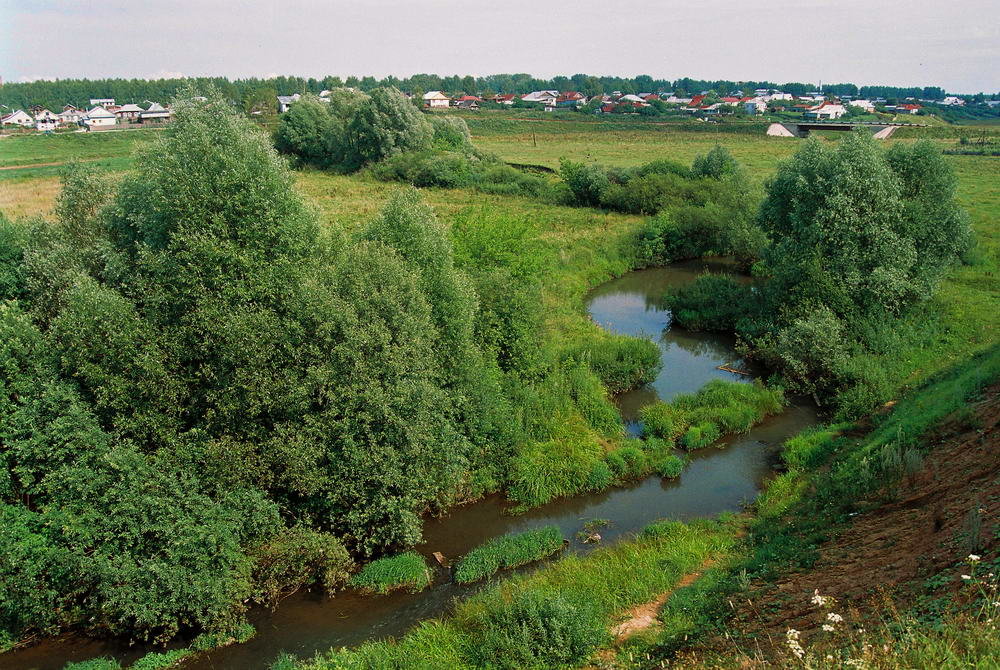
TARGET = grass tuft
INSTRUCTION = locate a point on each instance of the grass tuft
(404, 571)
(508, 551)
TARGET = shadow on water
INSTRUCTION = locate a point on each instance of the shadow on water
(718, 479)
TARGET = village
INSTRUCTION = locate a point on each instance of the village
(106, 114)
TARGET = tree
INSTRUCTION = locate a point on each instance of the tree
(306, 130)
(386, 125)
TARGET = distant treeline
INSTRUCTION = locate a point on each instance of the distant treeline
(55, 94)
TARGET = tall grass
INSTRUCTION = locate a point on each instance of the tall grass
(404, 571)
(554, 617)
(719, 408)
(508, 551)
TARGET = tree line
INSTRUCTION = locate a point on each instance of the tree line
(256, 93)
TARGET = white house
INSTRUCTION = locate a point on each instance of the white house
(436, 100)
(952, 100)
(156, 113)
(46, 120)
(70, 114)
(99, 117)
(17, 118)
(755, 106)
(631, 98)
(543, 97)
(826, 110)
(866, 105)
(101, 102)
(285, 101)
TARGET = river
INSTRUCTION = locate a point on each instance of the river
(718, 479)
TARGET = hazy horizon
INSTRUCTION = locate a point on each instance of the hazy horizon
(954, 46)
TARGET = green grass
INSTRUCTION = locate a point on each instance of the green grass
(508, 551)
(405, 571)
(553, 617)
(64, 147)
(719, 408)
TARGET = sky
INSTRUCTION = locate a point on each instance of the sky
(954, 44)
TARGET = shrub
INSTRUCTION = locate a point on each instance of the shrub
(160, 660)
(700, 435)
(297, 557)
(535, 629)
(717, 163)
(662, 420)
(627, 463)
(587, 182)
(670, 466)
(621, 362)
(404, 571)
(94, 664)
(508, 551)
(711, 302)
(385, 125)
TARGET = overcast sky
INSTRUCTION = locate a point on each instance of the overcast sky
(952, 43)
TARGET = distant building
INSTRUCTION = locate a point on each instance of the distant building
(98, 117)
(128, 113)
(102, 102)
(826, 111)
(953, 100)
(755, 106)
(470, 102)
(18, 117)
(436, 100)
(547, 98)
(908, 108)
(286, 101)
(156, 113)
(505, 99)
(866, 105)
(70, 114)
(46, 120)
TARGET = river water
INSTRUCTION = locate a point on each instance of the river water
(718, 479)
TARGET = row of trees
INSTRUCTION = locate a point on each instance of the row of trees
(259, 94)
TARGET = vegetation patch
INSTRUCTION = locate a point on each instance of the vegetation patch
(406, 571)
(719, 408)
(508, 551)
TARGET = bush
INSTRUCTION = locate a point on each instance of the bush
(535, 629)
(94, 664)
(670, 466)
(404, 571)
(297, 557)
(700, 435)
(711, 302)
(385, 125)
(621, 362)
(508, 551)
(627, 463)
(161, 660)
(717, 163)
(663, 420)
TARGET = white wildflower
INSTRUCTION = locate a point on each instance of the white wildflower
(828, 628)
(974, 558)
(966, 577)
(819, 600)
(835, 618)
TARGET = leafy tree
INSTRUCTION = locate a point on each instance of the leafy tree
(386, 125)
(306, 130)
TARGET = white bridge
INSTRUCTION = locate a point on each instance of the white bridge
(802, 128)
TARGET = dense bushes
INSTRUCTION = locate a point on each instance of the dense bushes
(459, 169)
(719, 408)
(508, 551)
(858, 237)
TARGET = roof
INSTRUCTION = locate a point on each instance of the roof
(435, 95)
(156, 107)
(100, 113)
(696, 100)
(130, 108)
(908, 106)
(470, 98)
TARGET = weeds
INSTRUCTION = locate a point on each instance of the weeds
(404, 571)
(508, 551)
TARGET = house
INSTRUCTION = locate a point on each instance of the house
(507, 99)
(695, 102)
(826, 111)
(46, 120)
(754, 106)
(608, 108)
(908, 108)
(18, 117)
(98, 117)
(547, 98)
(286, 101)
(70, 114)
(630, 98)
(866, 105)
(952, 100)
(102, 102)
(674, 100)
(128, 113)
(469, 102)
(156, 113)
(436, 100)
(574, 95)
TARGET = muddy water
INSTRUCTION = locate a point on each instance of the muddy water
(716, 480)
